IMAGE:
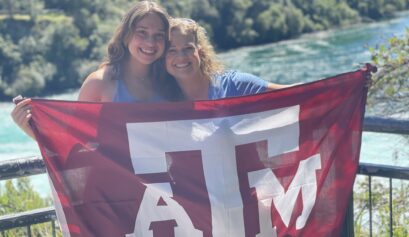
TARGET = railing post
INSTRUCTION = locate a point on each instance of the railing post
(29, 230)
(370, 204)
(53, 228)
(390, 208)
(348, 226)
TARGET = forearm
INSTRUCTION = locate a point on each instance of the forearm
(274, 86)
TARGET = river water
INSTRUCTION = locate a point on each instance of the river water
(308, 58)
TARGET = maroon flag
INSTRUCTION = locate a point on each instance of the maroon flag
(281, 163)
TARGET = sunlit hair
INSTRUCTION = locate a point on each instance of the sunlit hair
(118, 51)
(210, 65)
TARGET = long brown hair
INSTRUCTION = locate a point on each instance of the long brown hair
(117, 46)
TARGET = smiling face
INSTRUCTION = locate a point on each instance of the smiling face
(182, 57)
(147, 43)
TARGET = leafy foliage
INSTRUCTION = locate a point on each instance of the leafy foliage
(380, 208)
(51, 45)
(19, 196)
(391, 83)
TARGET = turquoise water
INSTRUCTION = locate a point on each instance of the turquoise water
(310, 57)
(317, 55)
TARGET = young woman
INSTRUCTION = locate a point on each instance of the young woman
(133, 66)
(191, 61)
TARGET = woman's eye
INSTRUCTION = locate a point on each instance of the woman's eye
(159, 37)
(140, 33)
(189, 49)
(171, 51)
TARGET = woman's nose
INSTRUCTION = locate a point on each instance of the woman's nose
(150, 39)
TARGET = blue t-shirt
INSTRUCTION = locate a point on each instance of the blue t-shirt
(233, 83)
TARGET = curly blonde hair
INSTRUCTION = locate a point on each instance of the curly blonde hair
(210, 65)
(117, 46)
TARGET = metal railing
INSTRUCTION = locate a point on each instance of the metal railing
(379, 125)
(29, 218)
(35, 165)
(383, 171)
(20, 168)
(388, 172)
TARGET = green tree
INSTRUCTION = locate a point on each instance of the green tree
(10, 5)
(207, 15)
(65, 50)
(236, 26)
(36, 7)
(32, 78)
(19, 196)
(11, 60)
(271, 23)
(295, 21)
(181, 8)
(391, 82)
(63, 40)
(378, 9)
(391, 85)
(380, 208)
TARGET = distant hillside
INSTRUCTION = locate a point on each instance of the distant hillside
(48, 46)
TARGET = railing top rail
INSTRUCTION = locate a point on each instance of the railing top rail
(386, 171)
(27, 218)
(15, 168)
(35, 165)
(386, 125)
(10, 169)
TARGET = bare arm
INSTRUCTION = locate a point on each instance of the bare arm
(273, 86)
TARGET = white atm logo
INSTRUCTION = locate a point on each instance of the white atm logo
(217, 139)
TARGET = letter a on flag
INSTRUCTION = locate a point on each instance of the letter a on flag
(280, 163)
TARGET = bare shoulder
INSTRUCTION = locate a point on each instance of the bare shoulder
(97, 87)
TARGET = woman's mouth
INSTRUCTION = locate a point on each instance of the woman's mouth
(147, 51)
(182, 65)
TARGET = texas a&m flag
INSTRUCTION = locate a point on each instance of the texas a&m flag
(281, 163)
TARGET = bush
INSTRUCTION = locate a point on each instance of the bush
(391, 82)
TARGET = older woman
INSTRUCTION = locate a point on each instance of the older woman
(192, 63)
